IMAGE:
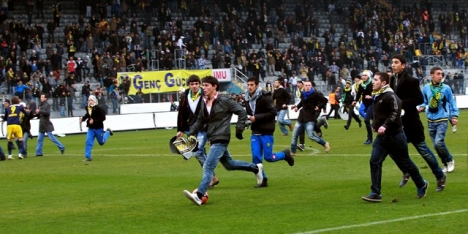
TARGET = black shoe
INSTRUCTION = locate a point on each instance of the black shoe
(263, 184)
(423, 191)
(441, 184)
(110, 131)
(87, 160)
(368, 142)
(62, 151)
(404, 180)
(360, 124)
(372, 197)
(300, 147)
(346, 127)
(39, 155)
(288, 157)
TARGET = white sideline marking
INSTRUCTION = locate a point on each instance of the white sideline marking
(298, 154)
(383, 222)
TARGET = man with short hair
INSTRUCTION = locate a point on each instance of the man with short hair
(407, 89)
(390, 139)
(261, 112)
(216, 116)
(190, 105)
(310, 102)
(45, 126)
(13, 118)
(441, 108)
(282, 98)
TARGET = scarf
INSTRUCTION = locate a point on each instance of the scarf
(375, 94)
(436, 95)
(307, 94)
(194, 97)
(364, 84)
(252, 99)
(346, 90)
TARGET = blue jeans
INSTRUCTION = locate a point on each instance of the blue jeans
(262, 147)
(101, 137)
(367, 113)
(309, 128)
(62, 111)
(40, 142)
(283, 122)
(84, 101)
(397, 148)
(220, 153)
(200, 155)
(429, 157)
(25, 143)
(437, 132)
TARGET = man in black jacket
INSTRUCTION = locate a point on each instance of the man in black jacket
(282, 99)
(216, 114)
(190, 106)
(94, 118)
(311, 101)
(261, 112)
(407, 89)
(390, 139)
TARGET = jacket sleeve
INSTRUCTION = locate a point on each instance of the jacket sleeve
(322, 103)
(44, 110)
(392, 103)
(452, 103)
(239, 111)
(416, 97)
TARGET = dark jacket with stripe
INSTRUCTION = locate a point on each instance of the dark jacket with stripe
(265, 113)
(307, 113)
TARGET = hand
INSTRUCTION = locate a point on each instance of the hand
(368, 97)
(420, 109)
(292, 107)
(324, 111)
(239, 134)
(295, 109)
(252, 118)
(353, 103)
(179, 134)
(454, 121)
(91, 121)
(381, 130)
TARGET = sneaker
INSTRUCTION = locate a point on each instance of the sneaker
(454, 128)
(404, 180)
(263, 184)
(445, 169)
(214, 182)
(451, 166)
(20, 156)
(423, 191)
(62, 151)
(10, 157)
(259, 174)
(327, 147)
(368, 142)
(110, 131)
(87, 160)
(300, 147)
(441, 184)
(372, 197)
(288, 157)
(325, 122)
(346, 127)
(193, 197)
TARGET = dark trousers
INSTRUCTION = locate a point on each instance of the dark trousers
(335, 108)
(352, 115)
(397, 148)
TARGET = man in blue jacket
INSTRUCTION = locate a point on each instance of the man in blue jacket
(261, 112)
(441, 105)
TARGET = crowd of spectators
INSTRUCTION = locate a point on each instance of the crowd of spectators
(138, 35)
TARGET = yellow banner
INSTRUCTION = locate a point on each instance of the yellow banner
(161, 81)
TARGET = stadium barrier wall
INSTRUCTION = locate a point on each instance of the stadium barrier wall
(155, 116)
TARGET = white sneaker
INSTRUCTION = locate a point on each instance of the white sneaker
(451, 166)
(445, 170)
(259, 174)
(10, 157)
(20, 156)
(193, 197)
(454, 128)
